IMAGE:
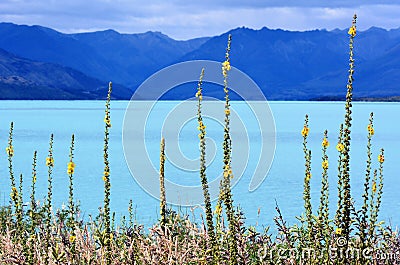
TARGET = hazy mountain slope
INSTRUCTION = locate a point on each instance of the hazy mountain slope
(25, 79)
(107, 55)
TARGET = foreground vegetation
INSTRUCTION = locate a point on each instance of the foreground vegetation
(38, 234)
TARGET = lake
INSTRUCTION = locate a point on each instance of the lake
(34, 121)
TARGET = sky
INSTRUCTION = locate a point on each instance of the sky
(183, 19)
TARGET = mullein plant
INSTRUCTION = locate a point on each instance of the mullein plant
(106, 179)
(130, 212)
(50, 166)
(364, 209)
(19, 213)
(15, 195)
(10, 154)
(203, 167)
(33, 204)
(346, 205)
(48, 204)
(339, 148)
(307, 177)
(33, 215)
(227, 168)
(163, 202)
(323, 234)
(71, 207)
(70, 173)
(376, 190)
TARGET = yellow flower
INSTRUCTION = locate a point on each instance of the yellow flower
(308, 176)
(71, 168)
(227, 111)
(106, 173)
(14, 192)
(325, 164)
(226, 66)
(340, 147)
(49, 161)
(305, 131)
(374, 186)
(338, 231)
(72, 239)
(218, 209)
(10, 150)
(381, 158)
(198, 93)
(226, 174)
(230, 173)
(104, 178)
(370, 129)
(201, 126)
(352, 31)
(325, 143)
(107, 121)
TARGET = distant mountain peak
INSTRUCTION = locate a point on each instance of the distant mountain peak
(376, 29)
(287, 65)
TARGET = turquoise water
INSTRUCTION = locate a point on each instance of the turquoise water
(34, 121)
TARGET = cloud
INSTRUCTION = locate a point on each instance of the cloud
(183, 19)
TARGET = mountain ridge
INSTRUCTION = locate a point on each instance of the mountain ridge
(287, 65)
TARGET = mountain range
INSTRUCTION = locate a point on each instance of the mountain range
(41, 63)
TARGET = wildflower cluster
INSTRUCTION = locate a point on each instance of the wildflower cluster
(381, 158)
(226, 66)
(71, 168)
(370, 129)
(49, 161)
(305, 131)
(340, 147)
(10, 150)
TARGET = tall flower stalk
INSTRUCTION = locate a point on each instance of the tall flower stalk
(71, 207)
(323, 210)
(346, 206)
(33, 211)
(376, 195)
(50, 166)
(367, 183)
(227, 168)
(10, 154)
(163, 201)
(203, 167)
(340, 148)
(106, 178)
(307, 177)
(48, 204)
(70, 172)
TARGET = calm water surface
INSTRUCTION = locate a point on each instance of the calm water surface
(34, 121)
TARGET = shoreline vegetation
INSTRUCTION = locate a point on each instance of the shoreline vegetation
(36, 233)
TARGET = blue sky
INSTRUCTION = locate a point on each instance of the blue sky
(183, 19)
